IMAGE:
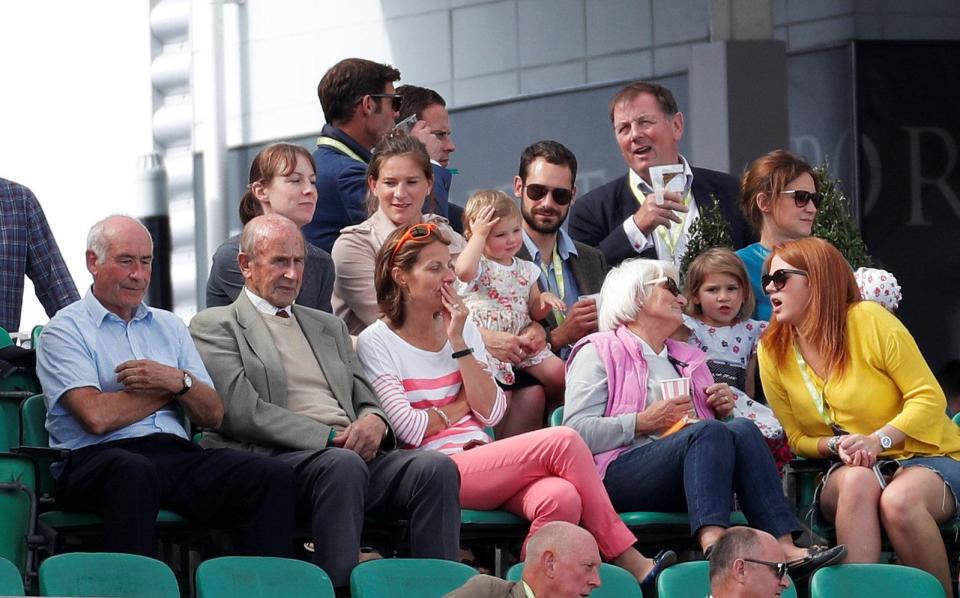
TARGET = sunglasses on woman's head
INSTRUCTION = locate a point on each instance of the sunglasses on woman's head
(802, 198)
(779, 568)
(778, 278)
(668, 283)
(417, 232)
(537, 192)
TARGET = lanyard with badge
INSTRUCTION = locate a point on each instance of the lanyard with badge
(559, 288)
(670, 235)
(340, 147)
(815, 395)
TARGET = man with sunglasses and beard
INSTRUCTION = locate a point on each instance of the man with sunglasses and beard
(747, 563)
(623, 218)
(360, 105)
(569, 269)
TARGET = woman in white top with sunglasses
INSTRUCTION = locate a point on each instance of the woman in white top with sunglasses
(780, 199)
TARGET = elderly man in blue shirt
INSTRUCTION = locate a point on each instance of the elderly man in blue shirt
(114, 372)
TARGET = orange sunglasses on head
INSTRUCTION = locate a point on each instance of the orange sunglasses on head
(415, 233)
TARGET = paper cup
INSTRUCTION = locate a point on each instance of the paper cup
(594, 296)
(675, 387)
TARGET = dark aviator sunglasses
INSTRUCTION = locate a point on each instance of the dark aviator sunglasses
(560, 195)
(396, 100)
(779, 568)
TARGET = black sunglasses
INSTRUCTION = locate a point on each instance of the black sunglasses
(778, 278)
(779, 568)
(396, 100)
(668, 283)
(802, 198)
(560, 195)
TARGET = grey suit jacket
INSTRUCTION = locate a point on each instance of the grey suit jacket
(247, 371)
(487, 586)
(589, 268)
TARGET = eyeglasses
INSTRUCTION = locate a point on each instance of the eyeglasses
(396, 100)
(668, 283)
(417, 232)
(778, 278)
(560, 195)
(779, 568)
(802, 198)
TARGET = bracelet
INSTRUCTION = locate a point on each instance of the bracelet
(443, 416)
(463, 353)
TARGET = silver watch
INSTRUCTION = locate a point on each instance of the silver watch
(885, 441)
(187, 384)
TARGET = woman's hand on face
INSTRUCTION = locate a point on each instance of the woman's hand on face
(483, 222)
(663, 414)
(454, 315)
(720, 396)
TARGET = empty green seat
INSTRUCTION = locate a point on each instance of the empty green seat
(107, 574)
(261, 577)
(11, 583)
(408, 578)
(874, 581)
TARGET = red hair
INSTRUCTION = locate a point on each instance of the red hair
(833, 289)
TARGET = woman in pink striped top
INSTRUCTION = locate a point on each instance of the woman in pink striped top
(429, 368)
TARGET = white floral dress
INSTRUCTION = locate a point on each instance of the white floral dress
(729, 349)
(497, 298)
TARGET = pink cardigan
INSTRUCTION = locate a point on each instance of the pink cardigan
(627, 373)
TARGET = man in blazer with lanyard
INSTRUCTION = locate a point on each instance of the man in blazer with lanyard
(569, 269)
(360, 105)
(294, 389)
(622, 218)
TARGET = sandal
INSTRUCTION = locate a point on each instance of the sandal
(817, 556)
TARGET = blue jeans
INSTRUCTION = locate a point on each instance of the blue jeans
(699, 468)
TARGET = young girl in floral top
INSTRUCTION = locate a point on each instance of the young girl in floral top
(718, 295)
(501, 290)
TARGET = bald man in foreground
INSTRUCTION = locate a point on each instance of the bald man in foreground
(747, 563)
(563, 561)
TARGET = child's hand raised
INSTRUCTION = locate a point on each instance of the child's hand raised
(483, 222)
(552, 301)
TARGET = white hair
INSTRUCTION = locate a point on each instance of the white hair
(98, 241)
(625, 289)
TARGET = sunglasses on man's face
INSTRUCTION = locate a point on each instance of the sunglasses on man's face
(779, 278)
(560, 195)
(802, 198)
(667, 283)
(780, 569)
(396, 100)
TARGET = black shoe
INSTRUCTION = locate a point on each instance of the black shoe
(817, 556)
(664, 559)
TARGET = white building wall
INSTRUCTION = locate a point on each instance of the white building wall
(478, 51)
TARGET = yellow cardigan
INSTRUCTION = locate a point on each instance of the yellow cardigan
(886, 381)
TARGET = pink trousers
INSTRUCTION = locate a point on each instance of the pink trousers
(544, 476)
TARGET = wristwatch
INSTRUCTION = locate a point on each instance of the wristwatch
(832, 445)
(187, 384)
(885, 441)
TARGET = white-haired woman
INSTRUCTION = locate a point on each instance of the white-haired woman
(668, 454)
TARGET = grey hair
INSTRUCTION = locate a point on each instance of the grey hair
(735, 543)
(263, 226)
(625, 290)
(98, 241)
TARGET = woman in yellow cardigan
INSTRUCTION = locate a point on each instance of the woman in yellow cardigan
(848, 381)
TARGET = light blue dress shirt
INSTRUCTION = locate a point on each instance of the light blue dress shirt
(82, 346)
(565, 248)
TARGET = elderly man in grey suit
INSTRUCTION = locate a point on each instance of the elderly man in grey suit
(294, 388)
(562, 561)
